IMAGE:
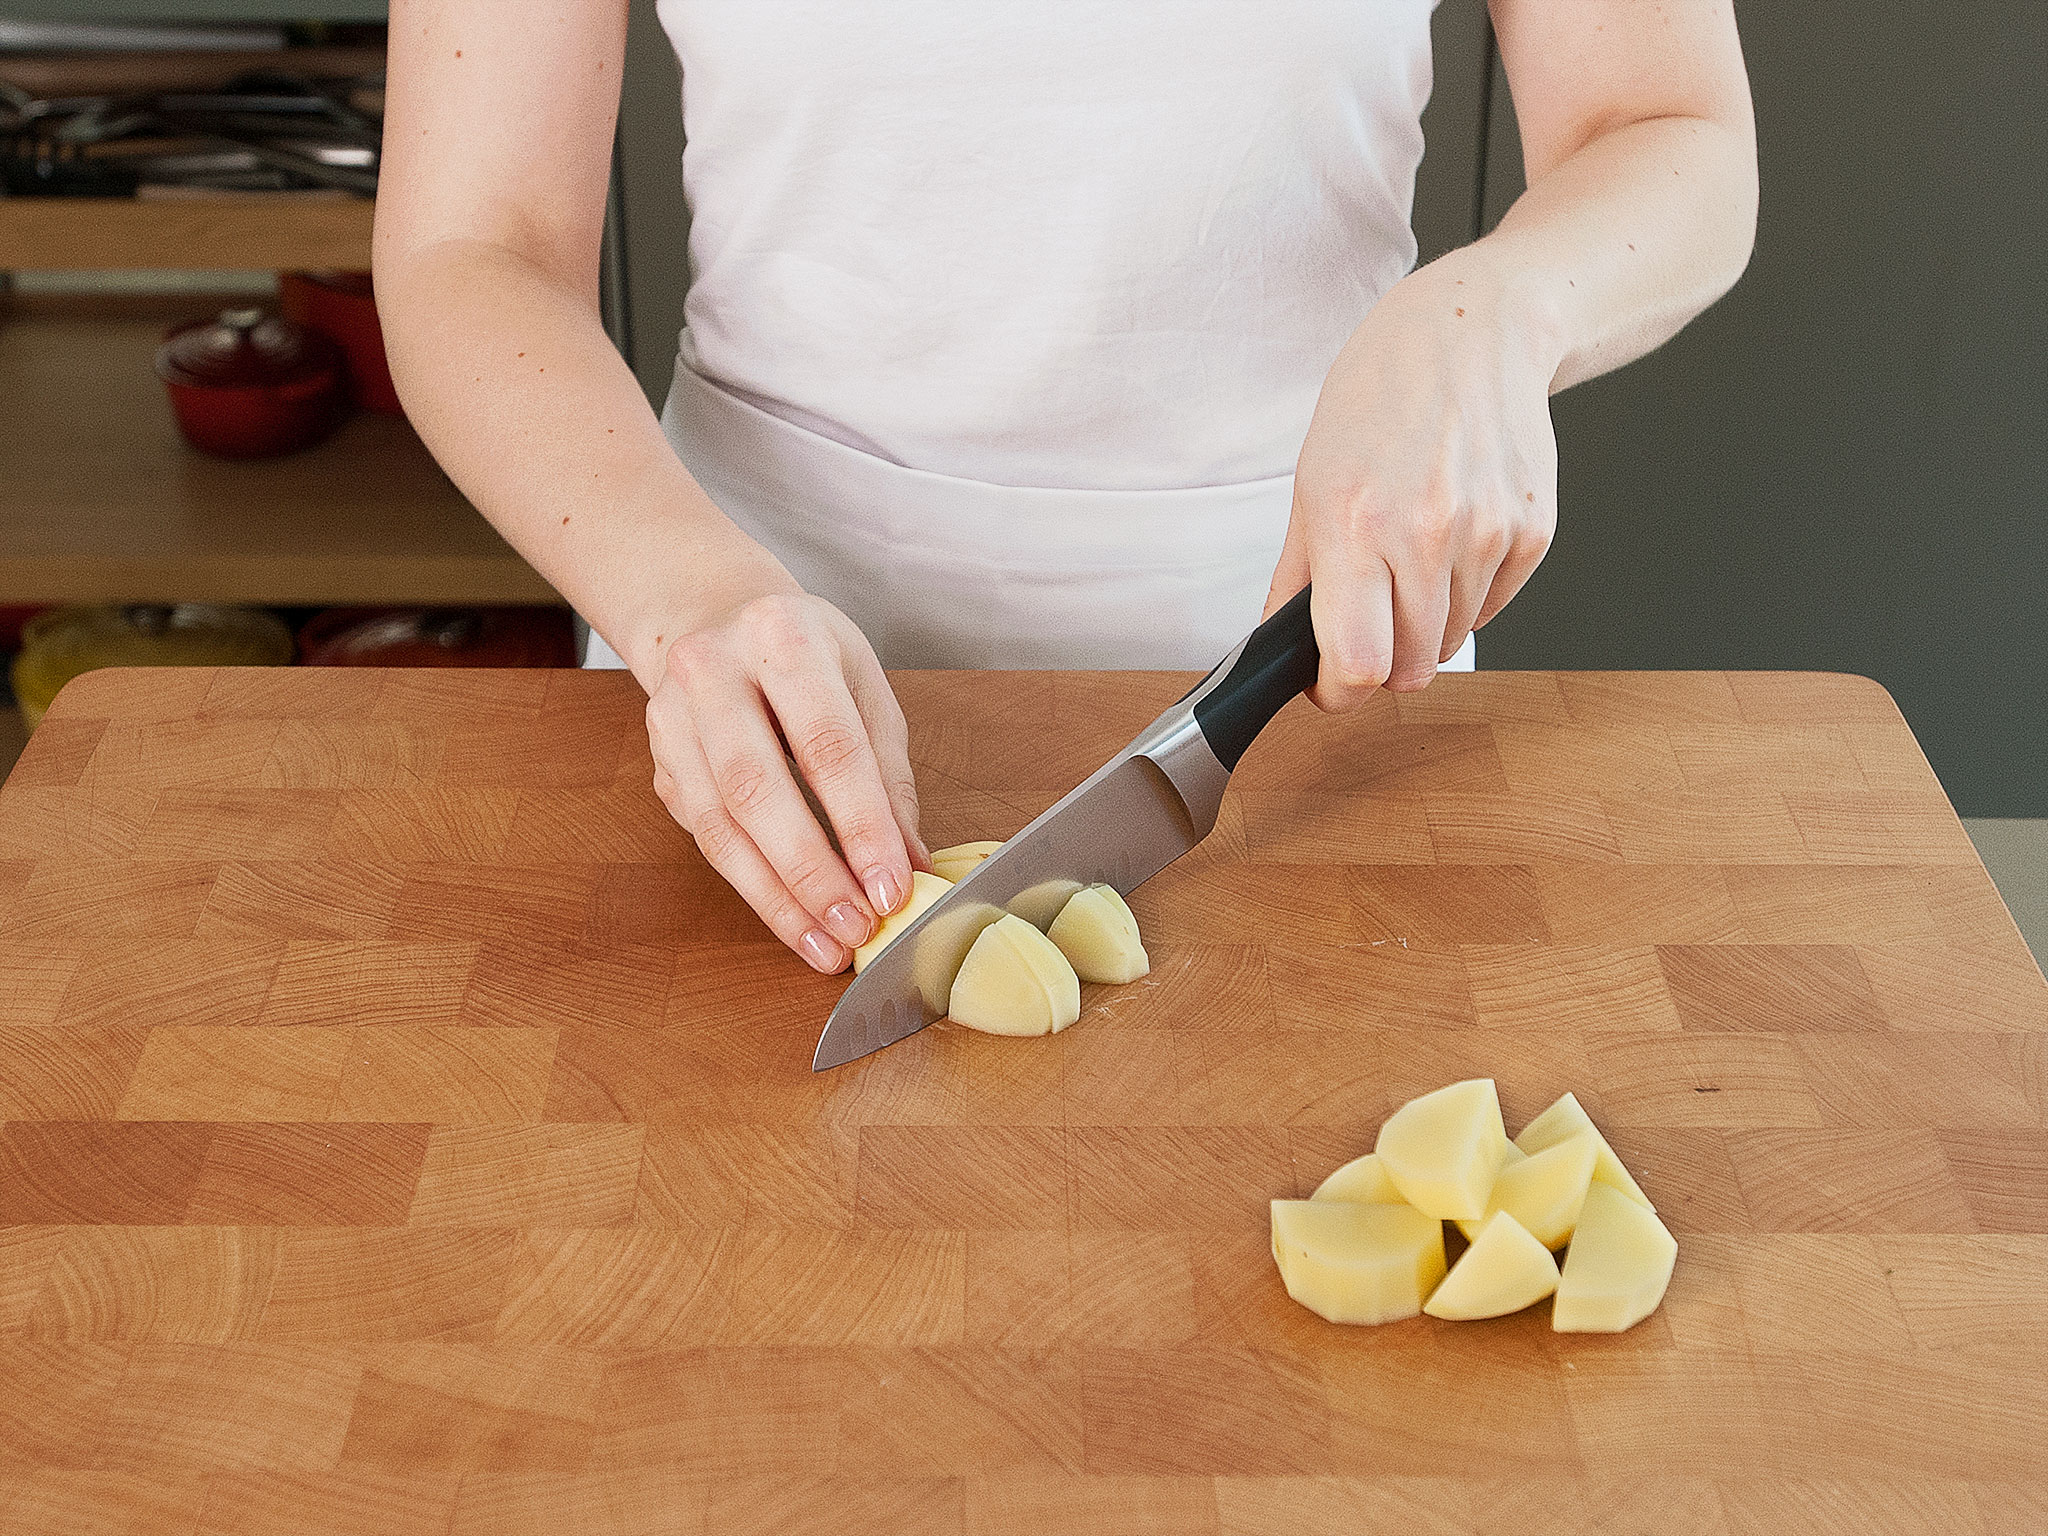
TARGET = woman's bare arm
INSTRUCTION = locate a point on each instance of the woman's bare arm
(497, 156)
(1426, 492)
(1639, 149)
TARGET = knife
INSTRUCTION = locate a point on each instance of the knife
(1124, 823)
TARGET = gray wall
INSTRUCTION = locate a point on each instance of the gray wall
(648, 202)
(1844, 465)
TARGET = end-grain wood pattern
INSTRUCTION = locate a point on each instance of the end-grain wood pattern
(406, 1132)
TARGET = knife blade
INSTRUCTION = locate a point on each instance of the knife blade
(1137, 813)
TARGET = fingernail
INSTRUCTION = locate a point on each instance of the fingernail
(883, 889)
(849, 924)
(820, 952)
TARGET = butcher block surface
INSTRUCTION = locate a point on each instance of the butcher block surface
(405, 1132)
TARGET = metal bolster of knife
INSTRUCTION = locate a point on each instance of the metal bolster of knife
(1174, 744)
(1142, 809)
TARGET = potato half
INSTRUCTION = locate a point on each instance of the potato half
(924, 890)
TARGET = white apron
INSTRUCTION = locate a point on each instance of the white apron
(945, 572)
(1004, 323)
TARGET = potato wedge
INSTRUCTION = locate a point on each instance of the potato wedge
(1444, 1150)
(1015, 981)
(1097, 933)
(1363, 1180)
(1352, 1263)
(1566, 1119)
(1544, 1192)
(1617, 1268)
(1505, 1270)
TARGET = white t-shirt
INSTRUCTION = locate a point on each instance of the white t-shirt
(1101, 244)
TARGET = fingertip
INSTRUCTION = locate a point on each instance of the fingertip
(886, 888)
(823, 953)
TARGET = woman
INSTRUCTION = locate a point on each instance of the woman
(1062, 334)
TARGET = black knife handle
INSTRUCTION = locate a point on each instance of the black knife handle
(1278, 661)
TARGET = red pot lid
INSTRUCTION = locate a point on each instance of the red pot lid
(439, 637)
(245, 348)
(356, 283)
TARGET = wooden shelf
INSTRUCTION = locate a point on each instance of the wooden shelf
(198, 10)
(102, 501)
(251, 232)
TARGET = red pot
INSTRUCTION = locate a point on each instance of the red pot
(341, 305)
(439, 637)
(250, 386)
(12, 617)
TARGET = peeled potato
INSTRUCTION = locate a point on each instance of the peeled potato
(1566, 1119)
(924, 890)
(1544, 1192)
(1618, 1266)
(955, 862)
(1015, 981)
(1354, 1263)
(1099, 936)
(1444, 1150)
(1362, 1180)
(1505, 1270)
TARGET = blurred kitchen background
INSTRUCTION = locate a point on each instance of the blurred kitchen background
(1843, 466)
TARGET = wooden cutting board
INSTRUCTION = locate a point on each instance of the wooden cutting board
(405, 1132)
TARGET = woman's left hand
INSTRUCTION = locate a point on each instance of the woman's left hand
(1426, 491)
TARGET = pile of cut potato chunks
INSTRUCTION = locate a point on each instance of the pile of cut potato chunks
(1016, 980)
(1368, 1245)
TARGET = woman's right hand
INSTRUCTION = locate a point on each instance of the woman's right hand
(789, 668)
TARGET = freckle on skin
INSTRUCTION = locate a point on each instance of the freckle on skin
(1461, 313)
(565, 522)
(1532, 497)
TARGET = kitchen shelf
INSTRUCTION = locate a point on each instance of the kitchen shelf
(253, 232)
(197, 10)
(102, 501)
